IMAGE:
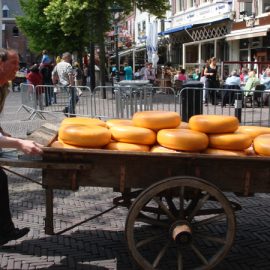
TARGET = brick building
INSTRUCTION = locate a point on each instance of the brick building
(12, 38)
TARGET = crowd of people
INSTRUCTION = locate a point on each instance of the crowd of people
(61, 72)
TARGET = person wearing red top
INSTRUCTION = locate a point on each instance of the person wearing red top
(182, 75)
(35, 78)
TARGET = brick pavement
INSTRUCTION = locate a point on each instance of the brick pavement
(100, 244)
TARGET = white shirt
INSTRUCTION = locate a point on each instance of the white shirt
(64, 70)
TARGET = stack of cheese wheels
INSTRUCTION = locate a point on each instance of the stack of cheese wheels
(130, 138)
(156, 120)
(262, 145)
(83, 133)
(182, 139)
(221, 132)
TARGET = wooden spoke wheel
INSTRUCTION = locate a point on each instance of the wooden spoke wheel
(194, 225)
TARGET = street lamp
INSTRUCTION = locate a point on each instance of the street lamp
(115, 8)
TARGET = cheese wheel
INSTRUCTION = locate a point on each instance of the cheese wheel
(121, 146)
(230, 141)
(183, 125)
(119, 122)
(254, 131)
(130, 134)
(182, 139)
(221, 152)
(156, 120)
(213, 123)
(83, 121)
(85, 136)
(162, 149)
(61, 144)
(262, 145)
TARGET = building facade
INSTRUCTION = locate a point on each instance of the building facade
(11, 37)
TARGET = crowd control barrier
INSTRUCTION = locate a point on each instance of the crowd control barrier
(250, 107)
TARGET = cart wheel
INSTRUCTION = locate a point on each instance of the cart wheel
(194, 225)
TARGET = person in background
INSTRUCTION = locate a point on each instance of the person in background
(182, 75)
(35, 78)
(114, 73)
(143, 70)
(244, 75)
(128, 72)
(196, 75)
(211, 81)
(251, 82)
(9, 63)
(137, 74)
(65, 78)
(149, 74)
(78, 73)
(234, 79)
(266, 79)
(46, 71)
(58, 59)
(45, 58)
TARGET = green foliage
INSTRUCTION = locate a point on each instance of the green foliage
(69, 25)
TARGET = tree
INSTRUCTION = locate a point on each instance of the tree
(70, 25)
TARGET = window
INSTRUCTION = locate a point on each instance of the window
(139, 28)
(179, 5)
(15, 31)
(5, 11)
(246, 7)
(265, 6)
(191, 3)
(143, 26)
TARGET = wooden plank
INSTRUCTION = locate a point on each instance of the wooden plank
(45, 135)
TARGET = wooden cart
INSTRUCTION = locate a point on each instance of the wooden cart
(177, 208)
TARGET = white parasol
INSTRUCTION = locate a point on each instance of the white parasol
(151, 44)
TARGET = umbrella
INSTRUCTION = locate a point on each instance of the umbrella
(151, 44)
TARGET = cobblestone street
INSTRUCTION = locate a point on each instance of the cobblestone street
(100, 243)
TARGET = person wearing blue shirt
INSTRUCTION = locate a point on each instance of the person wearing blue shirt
(128, 72)
(45, 58)
(233, 79)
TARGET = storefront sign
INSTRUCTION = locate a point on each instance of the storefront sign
(217, 11)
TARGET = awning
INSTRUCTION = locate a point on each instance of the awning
(248, 33)
(176, 29)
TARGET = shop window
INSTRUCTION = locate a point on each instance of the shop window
(243, 56)
(15, 31)
(244, 43)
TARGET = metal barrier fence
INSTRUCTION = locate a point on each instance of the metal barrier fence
(251, 107)
(55, 100)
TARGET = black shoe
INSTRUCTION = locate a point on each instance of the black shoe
(13, 235)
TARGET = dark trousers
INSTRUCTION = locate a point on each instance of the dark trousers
(6, 223)
(211, 95)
